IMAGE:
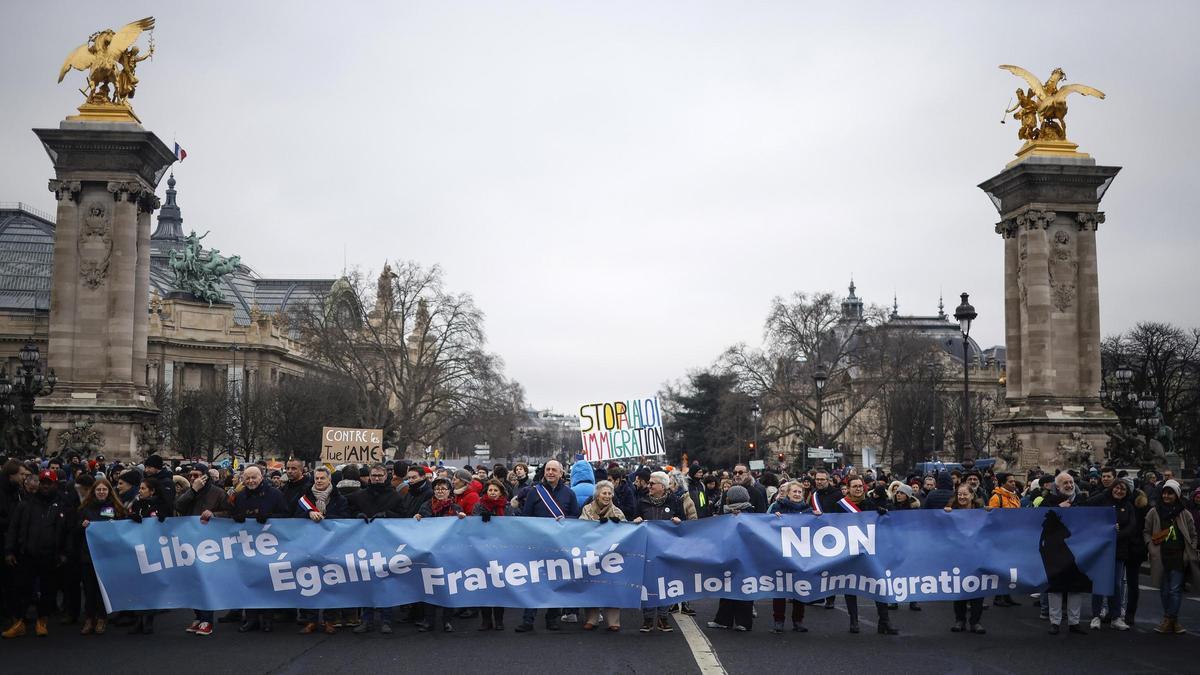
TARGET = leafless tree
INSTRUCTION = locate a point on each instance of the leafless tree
(414, 351)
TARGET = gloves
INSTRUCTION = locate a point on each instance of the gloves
(262, 519)
(365, 517)
(381, 514)
(486, 517)
(602, 519)
(239, 518)
(135, 517)
(882, 510)
(162, 517)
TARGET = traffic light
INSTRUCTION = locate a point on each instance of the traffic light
(750, 445)
(781, 456)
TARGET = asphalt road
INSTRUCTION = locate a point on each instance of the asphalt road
(1016, 642)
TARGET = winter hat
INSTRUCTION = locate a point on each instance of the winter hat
(908, 491)
(133, 477)
(153, 462)
(1128, 484)
(200, 466)
(1173, 485)
(737, 495)
(463, 475)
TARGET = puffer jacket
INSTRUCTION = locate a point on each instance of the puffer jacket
(583, 481)
(413, 497)
(39, 527)
(1003, 499)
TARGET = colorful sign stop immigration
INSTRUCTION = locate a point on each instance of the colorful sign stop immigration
(627, 429)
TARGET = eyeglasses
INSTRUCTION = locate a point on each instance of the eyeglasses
(737, 473)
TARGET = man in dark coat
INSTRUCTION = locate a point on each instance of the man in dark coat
(258, 501)
(415, 493)
(202, 497)
(562, 497)
(758, 494)
(36, 547)
(166, 484)
(298, 483)
(942, 495)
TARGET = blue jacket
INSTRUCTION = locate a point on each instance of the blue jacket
(531, 503)
(583, 481)
(625, 497)
(788, 506)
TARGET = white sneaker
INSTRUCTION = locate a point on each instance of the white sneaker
(1120, 624)
(570, 618)
(714, 624)
(1096, 623)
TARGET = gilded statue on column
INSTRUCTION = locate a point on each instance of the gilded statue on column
(110, 59)
(1041, 110)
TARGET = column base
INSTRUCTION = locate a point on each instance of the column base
(1052, 433)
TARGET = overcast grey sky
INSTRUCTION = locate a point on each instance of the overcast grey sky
(623, 186)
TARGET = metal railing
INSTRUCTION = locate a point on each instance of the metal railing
(27, 208)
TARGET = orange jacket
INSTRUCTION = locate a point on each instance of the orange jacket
(1003, 499)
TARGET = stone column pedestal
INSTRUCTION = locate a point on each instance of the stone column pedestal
(105, 176)
(1048, 217)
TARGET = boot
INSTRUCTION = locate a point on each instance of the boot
(148, 625)
(137, 626)
(1178, 627)
(17, 629)
(499, 616)
(40, 627)
(330, 629)
(265, 623)
(1167, 625)
(101, 626)
(309, 628)
(854, 627)
(486, 623)
(958, 627)
(914, 607)
(88, 628)
(887, 629)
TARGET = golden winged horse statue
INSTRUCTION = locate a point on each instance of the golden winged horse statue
(110, 59)
(1042, 109)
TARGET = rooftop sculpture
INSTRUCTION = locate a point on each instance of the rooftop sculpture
(110, 59)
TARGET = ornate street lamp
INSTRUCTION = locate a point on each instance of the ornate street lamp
(965, 313)
(29, 381)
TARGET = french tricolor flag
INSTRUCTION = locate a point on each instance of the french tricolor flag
(180, 153)
(305, 502)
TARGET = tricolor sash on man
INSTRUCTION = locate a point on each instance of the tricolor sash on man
(538, 562)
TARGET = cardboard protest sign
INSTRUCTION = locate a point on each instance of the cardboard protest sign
(340, 445)
(622, 429)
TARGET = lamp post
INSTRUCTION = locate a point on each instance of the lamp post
(755, 411)
(30, 380)
(820, 377)
(965, 314)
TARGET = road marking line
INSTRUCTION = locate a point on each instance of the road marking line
(702, 649)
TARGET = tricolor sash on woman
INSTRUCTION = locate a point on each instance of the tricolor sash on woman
(848, 506)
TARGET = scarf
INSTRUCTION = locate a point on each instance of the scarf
(602, 511)
(738, 507)
(1167, 513)
(441, 507)
(494, 506)
(657, 501)
(321, 497)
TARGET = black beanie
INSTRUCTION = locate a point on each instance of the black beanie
(133, 477)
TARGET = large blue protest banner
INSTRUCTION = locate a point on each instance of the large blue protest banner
(538, 562)
(510, 562)
(899, 557)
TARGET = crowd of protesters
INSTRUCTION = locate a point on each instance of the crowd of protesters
(47, 505)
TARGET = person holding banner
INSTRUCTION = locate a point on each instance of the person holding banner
(149, 503)
(966, 498)
(731, 613)
(549, 498)
(320, 501)
(603, 509)
(793, 501)
(659, 503)
(857, 501)
(493, 503)
(100, 505)
(443, 505)
(1064, 576)
(260, 501)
